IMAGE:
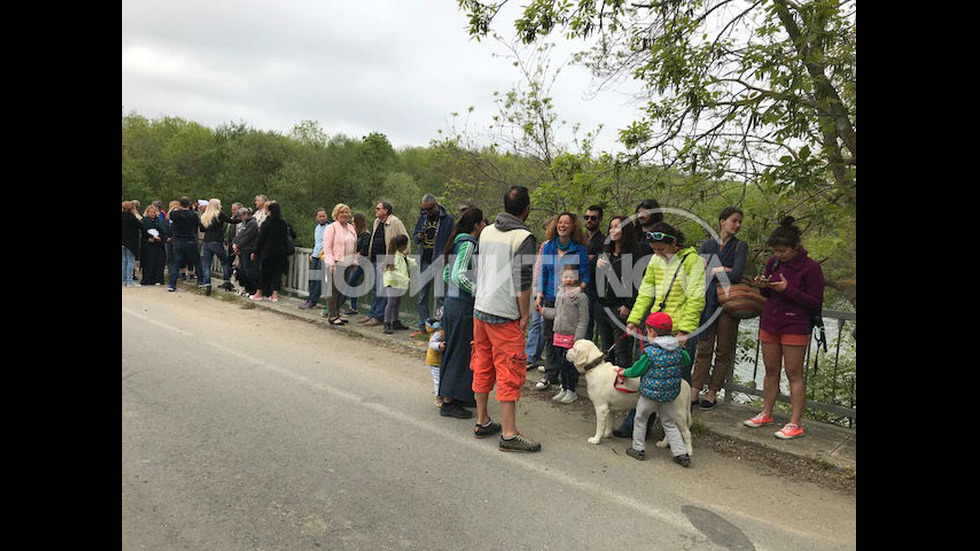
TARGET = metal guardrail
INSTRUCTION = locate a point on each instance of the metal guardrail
(811, 367)
(296, 282)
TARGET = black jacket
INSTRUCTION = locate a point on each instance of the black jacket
(247, 238)
(272, 238)
(131, 232)
(216, 231)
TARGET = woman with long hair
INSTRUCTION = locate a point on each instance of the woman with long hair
(271, 253)
(564, 244)
(616, 292)
(455, 376)
(213, 222)
(720, 337)
(793, 286)
(154, 256)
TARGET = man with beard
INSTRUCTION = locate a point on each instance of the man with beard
(432, 231)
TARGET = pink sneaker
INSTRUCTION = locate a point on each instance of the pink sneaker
(789, 432)
(256, 297)
(758, 421)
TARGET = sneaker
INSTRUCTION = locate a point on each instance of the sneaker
(543, 384)
(305, 306)
(706, 405)
(256, 297)
(452, 409)
(684, 460)
(397, 325)
(569, 397)
(636, 454)
(519, 443)
(482, 432)
(371, 322)
(171, 289)
(541, 368)
(560, 395)
(758, 421)
(388, 330)
(351, 312)
(789, 432)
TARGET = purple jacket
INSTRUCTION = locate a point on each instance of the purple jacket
(789, 311)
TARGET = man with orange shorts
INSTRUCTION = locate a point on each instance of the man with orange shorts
(500, 318)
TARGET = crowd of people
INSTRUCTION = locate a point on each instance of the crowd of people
(495, 303)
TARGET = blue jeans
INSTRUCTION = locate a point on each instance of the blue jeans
(380, 300)
(210, 250)
(316, 280)
(534, 344)
(128, 263)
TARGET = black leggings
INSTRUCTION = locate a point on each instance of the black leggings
(270, 273)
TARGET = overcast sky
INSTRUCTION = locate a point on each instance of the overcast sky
(399, 67)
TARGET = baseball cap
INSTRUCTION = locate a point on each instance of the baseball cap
(660, 321)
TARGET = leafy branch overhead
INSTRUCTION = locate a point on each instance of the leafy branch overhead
(761, 91)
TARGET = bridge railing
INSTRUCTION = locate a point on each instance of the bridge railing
(831, 379)
(831, 374)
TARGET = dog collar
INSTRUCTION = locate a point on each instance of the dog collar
(594, 363)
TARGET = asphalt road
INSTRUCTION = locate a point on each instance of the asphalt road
(242, 429)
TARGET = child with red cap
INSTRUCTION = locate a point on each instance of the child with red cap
(659, 367)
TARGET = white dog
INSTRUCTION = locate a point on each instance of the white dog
(601, 377)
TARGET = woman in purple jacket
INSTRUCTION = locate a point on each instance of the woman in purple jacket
(793, 286)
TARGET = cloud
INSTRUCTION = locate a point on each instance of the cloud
(389, 66)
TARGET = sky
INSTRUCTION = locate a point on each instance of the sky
(399, 67)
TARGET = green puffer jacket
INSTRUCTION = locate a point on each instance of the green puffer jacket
(686, 299)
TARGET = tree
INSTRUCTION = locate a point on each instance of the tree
(758, 90)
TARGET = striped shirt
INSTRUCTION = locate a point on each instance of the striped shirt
(455, 272)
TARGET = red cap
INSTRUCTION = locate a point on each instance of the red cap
(660, 321)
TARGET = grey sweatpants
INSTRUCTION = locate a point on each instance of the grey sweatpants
(646, 406)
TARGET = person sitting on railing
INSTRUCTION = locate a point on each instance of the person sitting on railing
(793, 286)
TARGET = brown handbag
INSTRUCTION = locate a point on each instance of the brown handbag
(741, 300)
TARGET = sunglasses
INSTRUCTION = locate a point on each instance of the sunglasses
(590, 217)
(659, 236)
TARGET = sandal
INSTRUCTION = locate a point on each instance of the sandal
(336, 321)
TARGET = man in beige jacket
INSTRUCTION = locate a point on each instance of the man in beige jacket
(386, 226)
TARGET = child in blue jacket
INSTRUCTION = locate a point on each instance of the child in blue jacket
(659, 367)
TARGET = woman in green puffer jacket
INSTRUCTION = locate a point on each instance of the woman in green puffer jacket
(673, 284)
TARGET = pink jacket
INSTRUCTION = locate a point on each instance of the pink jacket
(338, 242)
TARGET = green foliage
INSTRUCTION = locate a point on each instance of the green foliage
(758, 91)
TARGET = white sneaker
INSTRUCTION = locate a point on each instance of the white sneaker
(541, 368)
(560, 395)
(542, 384)
(569, 397)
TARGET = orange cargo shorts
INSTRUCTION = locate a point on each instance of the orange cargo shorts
(498, 357)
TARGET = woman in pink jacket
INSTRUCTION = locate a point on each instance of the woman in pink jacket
(339, 246)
